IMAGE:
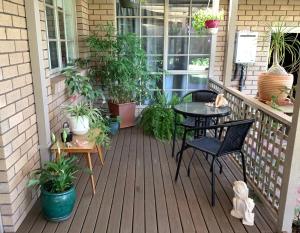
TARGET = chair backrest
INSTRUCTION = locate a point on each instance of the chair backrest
(235, 136)
(202, 96)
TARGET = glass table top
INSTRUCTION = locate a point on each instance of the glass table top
(202, 109)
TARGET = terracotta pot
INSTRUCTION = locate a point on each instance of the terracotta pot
(126, 112)
(273, 85)
(212, 23)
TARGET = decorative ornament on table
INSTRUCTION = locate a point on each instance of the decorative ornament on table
(242, 204)
(221, 101)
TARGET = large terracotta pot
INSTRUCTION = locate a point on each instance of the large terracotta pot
(271, 85)
(126, 112)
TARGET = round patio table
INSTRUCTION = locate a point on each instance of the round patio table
(202, 112)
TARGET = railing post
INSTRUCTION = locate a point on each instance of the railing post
(291, 172)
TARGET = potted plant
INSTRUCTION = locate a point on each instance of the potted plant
(276, 80)
(123, 70)
(114, 125)
(80, 117)
(208, 19)
(56, 180)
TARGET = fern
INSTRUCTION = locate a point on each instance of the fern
(158, 118)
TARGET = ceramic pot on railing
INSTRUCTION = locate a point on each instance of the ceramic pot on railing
(274, 85)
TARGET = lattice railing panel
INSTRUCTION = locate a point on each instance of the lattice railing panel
(265, 145)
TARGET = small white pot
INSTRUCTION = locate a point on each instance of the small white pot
(79, 125)
(212, 31)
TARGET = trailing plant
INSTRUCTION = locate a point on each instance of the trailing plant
(56, 176)
(100, 133)
(158, 118)
(283, 44)
(78, 84)
(122, 65)
(202, 15)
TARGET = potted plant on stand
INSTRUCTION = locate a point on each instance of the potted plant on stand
(123, 72)
(276, 80)
(56, 180)
(208, 19)
(80, 117)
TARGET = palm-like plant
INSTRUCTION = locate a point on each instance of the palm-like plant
(283, 44)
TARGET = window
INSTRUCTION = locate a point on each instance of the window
(170, 42)
(61, 26)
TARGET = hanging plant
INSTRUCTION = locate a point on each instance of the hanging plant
(207, 19)
(130, 3)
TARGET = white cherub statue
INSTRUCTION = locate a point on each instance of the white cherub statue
(242, 204)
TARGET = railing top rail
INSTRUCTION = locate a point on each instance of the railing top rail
(280, 116)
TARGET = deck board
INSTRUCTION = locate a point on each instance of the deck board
(136, 192)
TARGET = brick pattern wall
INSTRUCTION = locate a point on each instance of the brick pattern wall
(100, 13)
(18, 128)
(255, 15)
(83, 31)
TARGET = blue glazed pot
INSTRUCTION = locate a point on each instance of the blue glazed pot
(114, 127)
(58, 206)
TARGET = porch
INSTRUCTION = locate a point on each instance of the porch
(136, 192)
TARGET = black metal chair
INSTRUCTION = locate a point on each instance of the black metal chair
(236, 132)
(196, 96)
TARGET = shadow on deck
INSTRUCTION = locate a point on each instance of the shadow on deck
(136, 193)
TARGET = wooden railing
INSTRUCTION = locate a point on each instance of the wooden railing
(266, 143)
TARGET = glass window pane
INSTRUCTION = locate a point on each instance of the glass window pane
(59, 4)
(124, 10)
(50, 2)
(61, 25)
(152, 10)
(155, 63)
(71, 51)
(198, 63)
(170, 94)
(50, 23)
(181, 11)
(178, 26)
(153, 45)
(128, 26)
(178, 45)
(197, 82)
(175, 81)
(53, 55)
(177, 62)
(153, 27)
(69, 7)
(200, 45)
(63, 54)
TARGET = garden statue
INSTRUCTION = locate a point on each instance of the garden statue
(242, 204)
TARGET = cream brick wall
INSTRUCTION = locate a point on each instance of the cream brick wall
(255, 15)
(18, 129)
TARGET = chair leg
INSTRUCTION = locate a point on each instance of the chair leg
(244, 167)
(181, 153)
(213, 195)
(189, 167)
(220, 165)
(174, 135)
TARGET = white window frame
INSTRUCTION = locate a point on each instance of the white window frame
(58, 40)
(208, 73)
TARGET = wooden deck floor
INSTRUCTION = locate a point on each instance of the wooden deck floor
(136, 193)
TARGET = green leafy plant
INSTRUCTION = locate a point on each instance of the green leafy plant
(78, 84)
(283, 44)
(82, 63)
(202, 15)
(101, 133)
(204, 61)
(84, 109)
(158, 118)
(56, 176)
(122, 65)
